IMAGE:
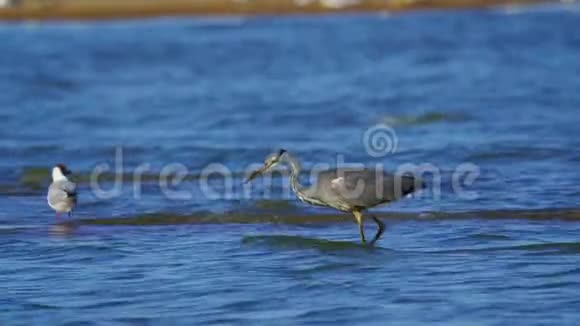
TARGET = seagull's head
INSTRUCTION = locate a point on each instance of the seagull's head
(271, 161)
(59, 172)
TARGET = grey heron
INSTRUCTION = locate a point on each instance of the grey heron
(62, 194)
(346, 189)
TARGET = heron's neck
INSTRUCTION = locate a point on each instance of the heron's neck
(304, 193)
(295, 169)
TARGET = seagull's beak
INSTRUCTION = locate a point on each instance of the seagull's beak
(256, 173)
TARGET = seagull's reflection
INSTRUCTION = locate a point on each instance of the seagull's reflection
(64, 228)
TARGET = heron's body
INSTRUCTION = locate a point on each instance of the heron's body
(347, 189)
(343, 189)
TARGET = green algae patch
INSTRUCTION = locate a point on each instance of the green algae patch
(18, 191)
(40, 178)
(167, 218)
(426, 118)
(274, 204)
(35, 177)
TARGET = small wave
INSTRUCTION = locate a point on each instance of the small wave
(556, 248)
(38, 306)
(554, 285)
(326, 267)
(241, 305)
(14, 229)
(573, 271)
(18, 191)
(46, 83)
(298, 242)
(490, 237)
(502, 152)
(103, 303)
(478, 237)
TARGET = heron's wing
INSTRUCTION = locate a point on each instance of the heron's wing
(364, 187)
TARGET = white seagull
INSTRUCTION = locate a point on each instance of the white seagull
(62, 194)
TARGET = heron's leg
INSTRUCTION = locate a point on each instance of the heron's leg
(379, 231)
(359, 220)
(69, 214)
(57, 214)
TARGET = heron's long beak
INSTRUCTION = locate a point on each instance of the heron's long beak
(256, 173)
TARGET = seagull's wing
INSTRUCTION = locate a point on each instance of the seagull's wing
(70, 188)
(61, 191)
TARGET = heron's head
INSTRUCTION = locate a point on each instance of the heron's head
(270, 161)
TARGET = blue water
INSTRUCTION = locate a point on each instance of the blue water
(497, 89)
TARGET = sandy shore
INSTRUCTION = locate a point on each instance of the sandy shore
(115, 9)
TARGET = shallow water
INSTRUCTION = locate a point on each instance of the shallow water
(497, 89)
